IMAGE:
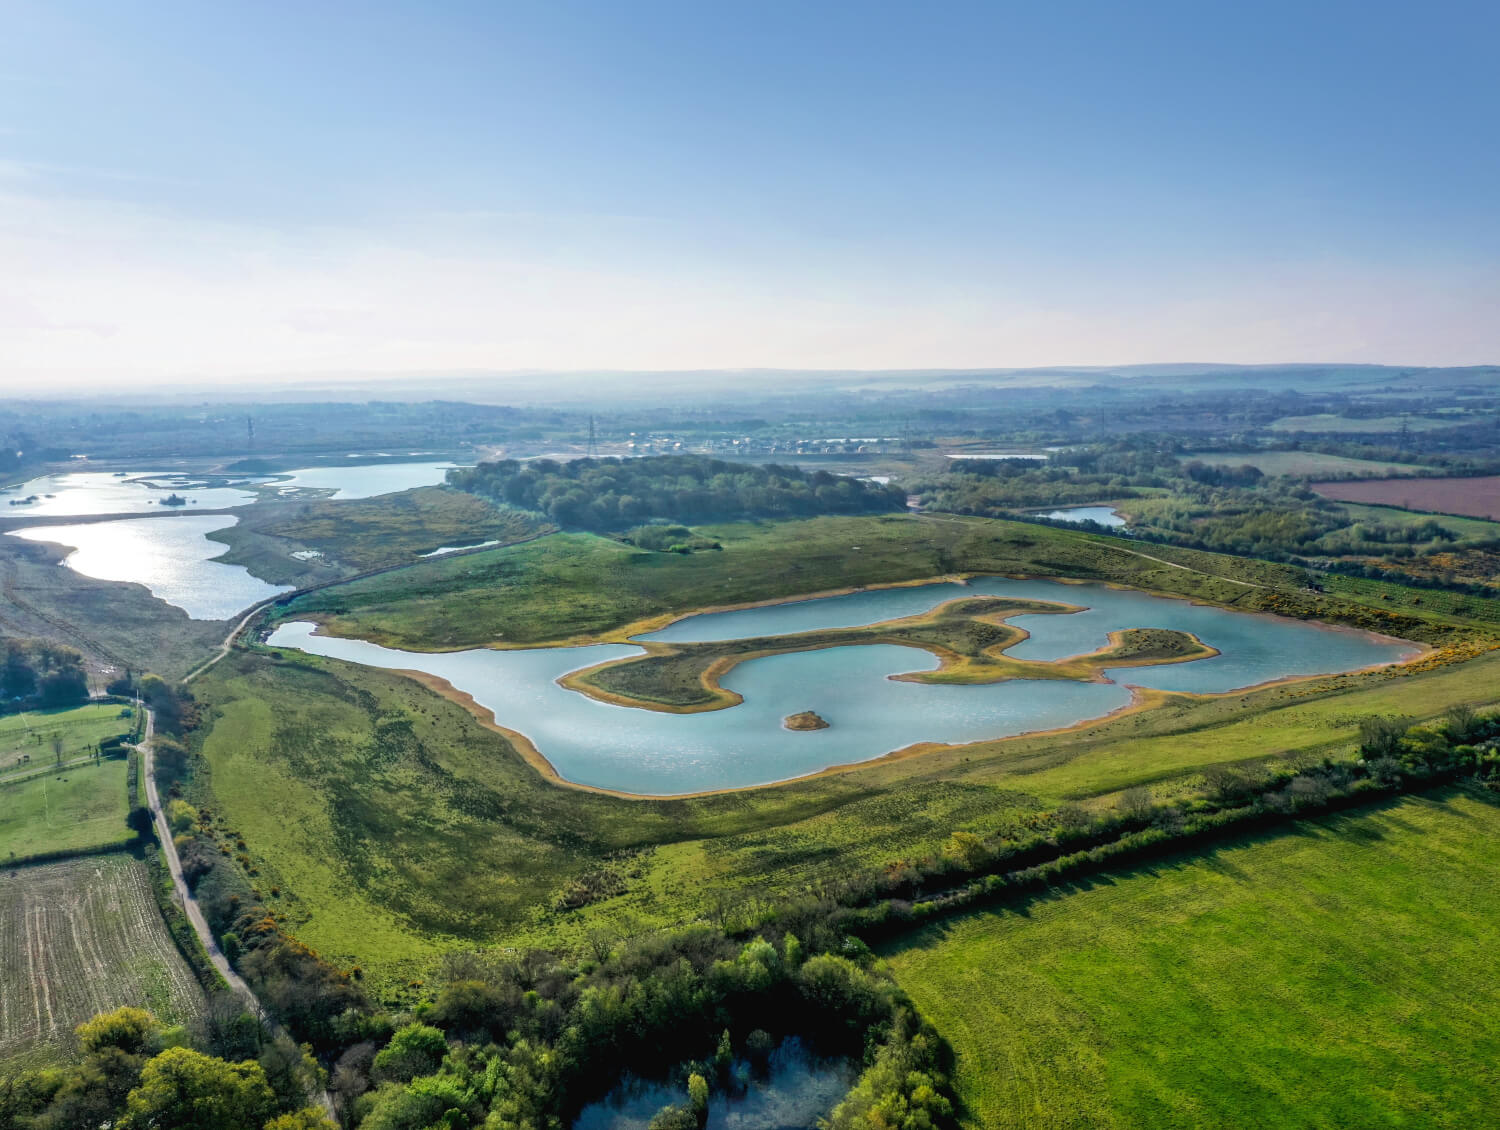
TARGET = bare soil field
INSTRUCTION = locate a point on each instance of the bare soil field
(1476, 497)
(76, 938)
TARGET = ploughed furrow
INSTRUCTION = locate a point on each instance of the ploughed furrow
(77, 938)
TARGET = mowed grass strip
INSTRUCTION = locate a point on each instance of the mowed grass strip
(77, 938)
(1341, 974)
(73, 809)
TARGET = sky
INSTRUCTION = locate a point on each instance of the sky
(231, 191)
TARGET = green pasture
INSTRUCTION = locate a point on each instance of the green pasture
(35, 734)
(1312, 464)
(1467, 529)
(71, 809)
(1340, 974)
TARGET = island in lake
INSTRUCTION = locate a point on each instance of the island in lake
(806, 720)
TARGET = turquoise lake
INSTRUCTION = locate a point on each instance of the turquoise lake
(658, 754)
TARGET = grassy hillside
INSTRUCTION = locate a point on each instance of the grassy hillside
(1341, 975)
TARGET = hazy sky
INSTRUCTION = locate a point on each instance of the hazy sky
(215, 188)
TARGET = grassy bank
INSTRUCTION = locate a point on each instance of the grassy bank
(1341, 974)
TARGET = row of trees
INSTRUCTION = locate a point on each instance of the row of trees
(615, 494)
(41, 673)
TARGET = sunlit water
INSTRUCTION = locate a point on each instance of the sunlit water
(1104, 515)
(170, 556)
(98, 492)
(651, 752)
(798, 1090)
(141, 492)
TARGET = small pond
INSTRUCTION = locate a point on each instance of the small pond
(1104, 515)
(797, 1090)
(170, 556)
(648, 752)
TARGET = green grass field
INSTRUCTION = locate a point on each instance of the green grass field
(78, 938)
(72, 809)
(1325, 422)
(34, 734)
(1301, 463)
(1341, 974)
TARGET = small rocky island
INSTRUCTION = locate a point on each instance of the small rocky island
(807, 720)
(174, 499)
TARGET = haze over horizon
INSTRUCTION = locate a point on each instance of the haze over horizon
(213, 193)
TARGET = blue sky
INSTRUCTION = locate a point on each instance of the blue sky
(215, 190)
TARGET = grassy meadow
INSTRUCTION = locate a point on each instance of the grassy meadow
(76, 808)
(1340, 974)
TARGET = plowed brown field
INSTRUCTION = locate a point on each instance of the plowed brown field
(77, 938)
(1476, 498)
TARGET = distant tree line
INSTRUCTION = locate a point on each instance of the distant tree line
(615, 494)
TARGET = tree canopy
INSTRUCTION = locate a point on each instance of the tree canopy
(614, 494)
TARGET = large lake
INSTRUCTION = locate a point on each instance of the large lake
(170, 556)
(659, 754)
